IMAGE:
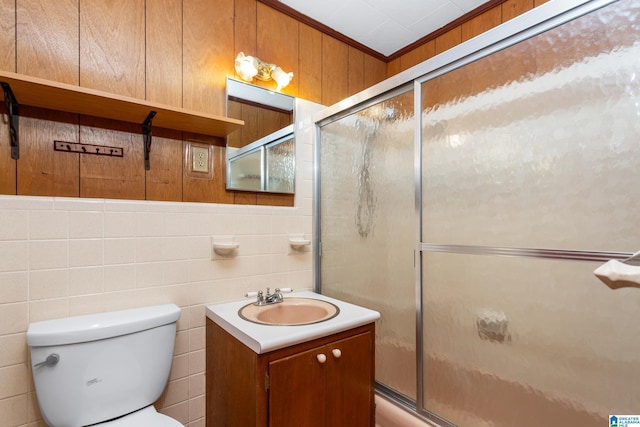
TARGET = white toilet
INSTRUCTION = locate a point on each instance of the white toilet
(105, 369)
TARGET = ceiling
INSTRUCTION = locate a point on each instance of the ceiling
(385, 26)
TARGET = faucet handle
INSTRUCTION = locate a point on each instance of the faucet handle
(258, 295)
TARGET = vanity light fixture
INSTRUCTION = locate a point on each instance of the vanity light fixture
(249, 67)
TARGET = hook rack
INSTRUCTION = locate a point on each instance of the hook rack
(11, 103)
(76, 147)
(146, 135)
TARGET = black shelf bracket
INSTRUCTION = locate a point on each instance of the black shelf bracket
(11, 103)
(146, 135)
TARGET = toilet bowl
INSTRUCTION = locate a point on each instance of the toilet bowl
(145, 417)
(104, 369)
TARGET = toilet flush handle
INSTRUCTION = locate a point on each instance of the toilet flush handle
(51, 360)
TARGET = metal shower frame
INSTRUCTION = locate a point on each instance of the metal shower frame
(523, 27)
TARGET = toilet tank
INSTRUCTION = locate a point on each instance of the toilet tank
(109, 364)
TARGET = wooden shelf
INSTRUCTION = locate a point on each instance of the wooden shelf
(52, 95)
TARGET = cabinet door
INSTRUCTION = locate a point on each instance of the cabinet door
(350, 382)
(329, 386)
(297, 391)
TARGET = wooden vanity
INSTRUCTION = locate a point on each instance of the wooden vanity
(325, 381)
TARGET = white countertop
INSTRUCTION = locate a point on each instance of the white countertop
(265, 338)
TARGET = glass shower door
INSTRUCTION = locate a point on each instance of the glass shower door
(529, 160)
(523, 180)
(368, 227)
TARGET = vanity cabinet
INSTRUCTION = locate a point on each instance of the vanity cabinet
(324, 382)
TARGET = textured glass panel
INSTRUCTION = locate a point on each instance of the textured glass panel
(246, 172)
(368, 227)
(538, 145)
(281, 167)
(527, 342)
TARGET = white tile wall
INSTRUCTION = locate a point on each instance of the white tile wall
(62, 257)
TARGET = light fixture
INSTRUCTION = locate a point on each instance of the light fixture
(249, 67)
(246, 67)
(280, 77)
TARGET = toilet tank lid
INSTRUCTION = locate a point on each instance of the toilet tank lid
(99, 326)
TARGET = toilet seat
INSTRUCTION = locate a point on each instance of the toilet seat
(146, 417)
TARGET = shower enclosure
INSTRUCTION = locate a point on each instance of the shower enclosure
(469, 200)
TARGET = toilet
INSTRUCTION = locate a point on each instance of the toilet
(105, 369)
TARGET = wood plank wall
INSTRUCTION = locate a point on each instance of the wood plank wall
(174, 52)
(461, 33)
(178, 53)
(259, 121)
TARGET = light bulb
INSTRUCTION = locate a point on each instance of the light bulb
(281, 78)
(246, 67)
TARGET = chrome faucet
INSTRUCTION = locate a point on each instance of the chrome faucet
(274, 297)
(269, 298)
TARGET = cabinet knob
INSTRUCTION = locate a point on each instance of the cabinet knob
(321, 358)
(336, 353)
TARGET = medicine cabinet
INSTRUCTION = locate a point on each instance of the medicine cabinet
(261, 155)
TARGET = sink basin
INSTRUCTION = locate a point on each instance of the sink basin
(292, 311)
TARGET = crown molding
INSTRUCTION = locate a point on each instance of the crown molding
(283, 8)
(450, 26)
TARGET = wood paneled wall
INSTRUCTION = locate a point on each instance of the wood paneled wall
(178, 53)
(174, 52)
(467, 30)
(259, 122)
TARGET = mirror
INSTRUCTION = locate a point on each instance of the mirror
(261, 155)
